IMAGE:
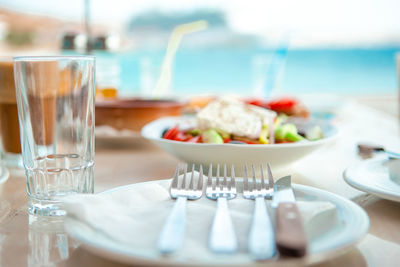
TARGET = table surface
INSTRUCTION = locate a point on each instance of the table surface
(120, 163)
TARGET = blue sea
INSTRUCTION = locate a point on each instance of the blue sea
(251, 71)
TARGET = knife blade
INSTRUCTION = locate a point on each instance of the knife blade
(290, 236)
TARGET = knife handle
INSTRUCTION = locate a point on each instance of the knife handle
(290, 236)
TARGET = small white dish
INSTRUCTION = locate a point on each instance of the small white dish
(277, 155)
(336, 238)
(379, 176)
(105, 133)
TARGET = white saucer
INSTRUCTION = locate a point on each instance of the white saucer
(350, 227)
(379, 176)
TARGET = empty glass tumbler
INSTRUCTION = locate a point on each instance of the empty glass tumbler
(55, 97)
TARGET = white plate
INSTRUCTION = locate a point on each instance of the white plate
(277, 155)
(352, 224)
(378, 176)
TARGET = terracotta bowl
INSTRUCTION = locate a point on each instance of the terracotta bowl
(133, 114)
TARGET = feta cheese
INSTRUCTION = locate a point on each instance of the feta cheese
(234, 117)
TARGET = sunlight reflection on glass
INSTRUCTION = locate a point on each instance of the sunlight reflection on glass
(48, 242)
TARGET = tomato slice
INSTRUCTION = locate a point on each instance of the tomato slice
(176, 134)
(170, 134)
(258, 102)
(181, 136)
(196, 139)
(227, 140)
(283, 104)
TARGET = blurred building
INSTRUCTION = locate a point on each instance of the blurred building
(24, 31)
(153, 28)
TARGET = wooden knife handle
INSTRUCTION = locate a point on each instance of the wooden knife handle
(290, 237)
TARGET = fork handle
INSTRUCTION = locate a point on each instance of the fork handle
(171, 237)
(222, 236)
(261, 239)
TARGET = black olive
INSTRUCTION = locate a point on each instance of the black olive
(301, 133)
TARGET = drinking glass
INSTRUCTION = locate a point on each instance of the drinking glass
(55, 97)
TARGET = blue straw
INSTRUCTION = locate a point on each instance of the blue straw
(277, 62)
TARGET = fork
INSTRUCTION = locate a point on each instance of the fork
(171, 237)
(222, 235)
(261, 238)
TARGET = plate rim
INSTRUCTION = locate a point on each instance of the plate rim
(368, 189)
(119, 256)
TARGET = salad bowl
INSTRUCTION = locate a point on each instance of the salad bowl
(277, 155)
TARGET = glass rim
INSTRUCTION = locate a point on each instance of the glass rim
(53, 58)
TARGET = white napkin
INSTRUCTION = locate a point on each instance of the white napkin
(133, 218)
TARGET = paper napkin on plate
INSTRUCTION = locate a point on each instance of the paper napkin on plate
(133, 217)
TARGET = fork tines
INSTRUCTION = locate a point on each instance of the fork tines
(179, 186)
(220, 186)
(257, 189)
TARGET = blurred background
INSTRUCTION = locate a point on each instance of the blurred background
(260, 48)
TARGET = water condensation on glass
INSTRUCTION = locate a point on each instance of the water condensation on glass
(56, 113)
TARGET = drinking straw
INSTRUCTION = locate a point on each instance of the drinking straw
(163, 85)
(277, 62)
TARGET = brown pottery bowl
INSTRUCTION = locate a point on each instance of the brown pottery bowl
(134, 113)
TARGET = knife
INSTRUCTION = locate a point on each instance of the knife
(290, 236)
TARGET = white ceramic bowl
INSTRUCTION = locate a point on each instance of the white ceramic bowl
(277, 155)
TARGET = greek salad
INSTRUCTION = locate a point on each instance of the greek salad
(233, 121)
